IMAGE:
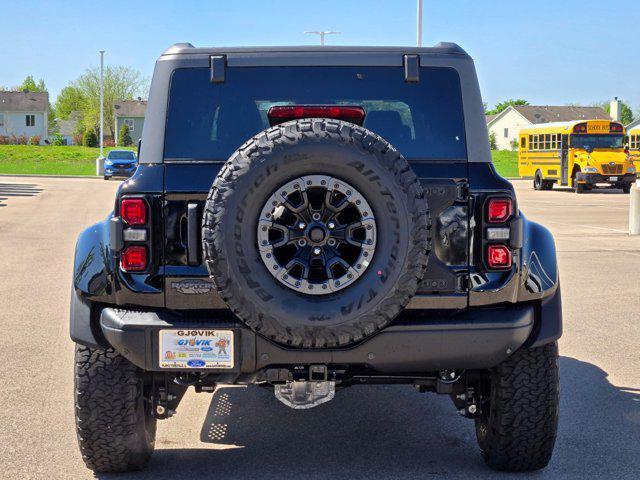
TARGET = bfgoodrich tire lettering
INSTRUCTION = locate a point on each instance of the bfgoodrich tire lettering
(316, 147)
(115, 429)
(517, 429)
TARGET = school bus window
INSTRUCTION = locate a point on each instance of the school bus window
(523, 142)
(547, 141)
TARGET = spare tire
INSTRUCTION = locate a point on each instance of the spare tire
(316, 233)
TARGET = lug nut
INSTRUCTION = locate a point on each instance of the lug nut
(317, 251)
(472, 409)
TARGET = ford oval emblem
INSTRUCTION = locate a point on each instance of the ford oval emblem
(196, 363)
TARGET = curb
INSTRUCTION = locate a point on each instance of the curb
(42, 175)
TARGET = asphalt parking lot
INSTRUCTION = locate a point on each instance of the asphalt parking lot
(365, 433)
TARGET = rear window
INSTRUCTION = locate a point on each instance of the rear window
(207, 121)
(119, 155)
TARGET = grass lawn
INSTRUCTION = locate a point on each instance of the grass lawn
(506, 162)
(50, 160)
(73, 160)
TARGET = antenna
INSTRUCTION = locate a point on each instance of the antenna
(322, 34)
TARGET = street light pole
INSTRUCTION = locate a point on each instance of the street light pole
(101, 103)
(322, 34)
(419, 24)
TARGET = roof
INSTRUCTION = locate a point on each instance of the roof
(561, 126)
(490, 118)
(546, 114)
(440, 48)
(130, 108)
(635, 125)
(24, 102)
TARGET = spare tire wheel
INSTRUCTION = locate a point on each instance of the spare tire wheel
(316, 233)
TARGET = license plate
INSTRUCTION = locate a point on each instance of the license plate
(196, 348)
(613, 179)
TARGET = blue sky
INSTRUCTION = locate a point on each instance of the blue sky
(548, 52)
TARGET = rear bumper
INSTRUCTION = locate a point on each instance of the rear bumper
(474, 339)
(593, 178)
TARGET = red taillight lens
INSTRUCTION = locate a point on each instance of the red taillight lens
(282, 113)
(134, 259)
(133, 211)
(499, 210)
(498, 256)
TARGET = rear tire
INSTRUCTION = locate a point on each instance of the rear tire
(116, 431)
(517, 429)
(580, 188)
(626, 188)
(540, 184)
(107, 177)
(537, 181)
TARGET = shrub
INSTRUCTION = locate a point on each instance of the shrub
(109, 142)
(58, 140)
(514, 144)
(493, 144)
(90, 139)
(4, 140)
(34, 140)
(18, 140)
(125, 136)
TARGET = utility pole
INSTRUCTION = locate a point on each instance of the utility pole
(419, 24)
(100, 159)
(322, 34)
(101, 103)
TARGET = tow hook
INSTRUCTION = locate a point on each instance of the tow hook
(307, 393)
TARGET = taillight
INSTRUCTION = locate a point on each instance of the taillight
(283, 113)
(134, 258)
(499, 210)
(133, 211)
(498, 257)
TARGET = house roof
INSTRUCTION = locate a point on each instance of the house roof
(549, 113)
(566, 113)
(489, 118)
(24, 102)
(130, 108)
(634, 125)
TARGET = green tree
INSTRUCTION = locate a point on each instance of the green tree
(493, 144)
(69, 101)
(500, 106)
(626, 114)
(124, 139)
(83, 94)
(90, 139)
(30, 85)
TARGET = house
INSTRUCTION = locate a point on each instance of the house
(131, 113)
(68, 128)
(507, 124)
(24, 114)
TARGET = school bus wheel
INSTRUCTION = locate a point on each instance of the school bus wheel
(540, 184)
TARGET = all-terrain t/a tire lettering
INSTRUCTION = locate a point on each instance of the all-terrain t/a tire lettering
(316, 147)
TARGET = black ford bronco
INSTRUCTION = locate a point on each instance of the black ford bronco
(306, 219)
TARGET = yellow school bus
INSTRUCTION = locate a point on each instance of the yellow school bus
(582, 154)
(634, 144)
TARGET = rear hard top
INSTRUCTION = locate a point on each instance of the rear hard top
(205, 102)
